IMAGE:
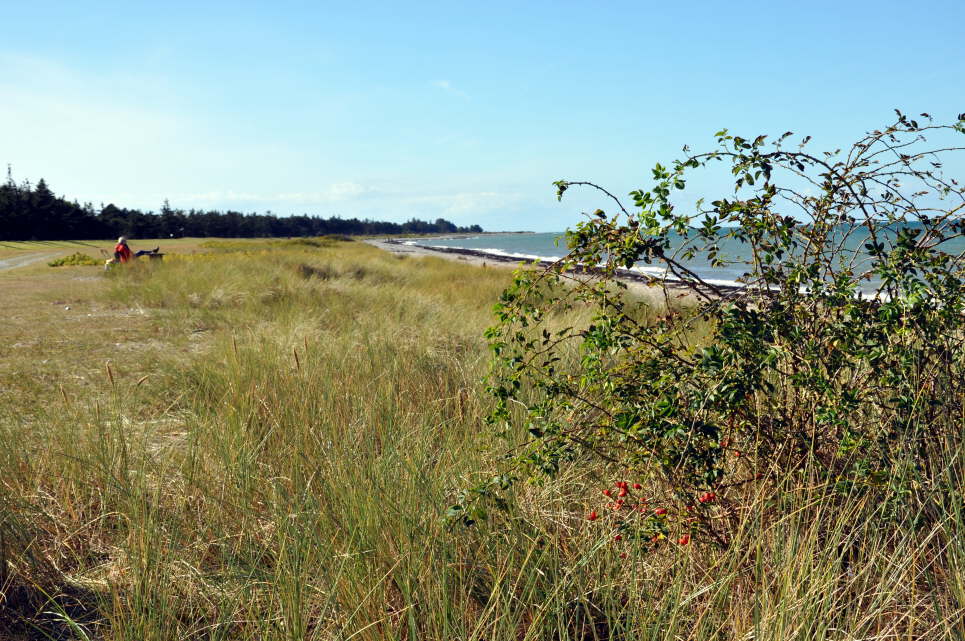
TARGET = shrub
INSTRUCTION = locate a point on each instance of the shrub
(77, 258)
(840, 354)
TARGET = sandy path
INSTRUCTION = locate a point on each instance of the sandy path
(24, 260)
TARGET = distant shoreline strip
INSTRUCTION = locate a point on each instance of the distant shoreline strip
(622, 274)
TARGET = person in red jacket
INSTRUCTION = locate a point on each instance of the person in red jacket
(122, 253)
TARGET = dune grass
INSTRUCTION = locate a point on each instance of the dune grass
(260, 443)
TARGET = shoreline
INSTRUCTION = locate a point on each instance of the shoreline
(648, 286)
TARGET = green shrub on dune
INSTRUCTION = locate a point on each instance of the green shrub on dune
(75, 259)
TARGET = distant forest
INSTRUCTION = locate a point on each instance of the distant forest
(35, 213)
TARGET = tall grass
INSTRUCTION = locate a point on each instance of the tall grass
(284, 471)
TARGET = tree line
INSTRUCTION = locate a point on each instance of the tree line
(34, 212)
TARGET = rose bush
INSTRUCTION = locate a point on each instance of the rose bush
(839, 354)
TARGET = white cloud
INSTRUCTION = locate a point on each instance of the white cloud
(465, 203)
(92, 134)
(350, 199)
(334, 193)
(215, 197)
(101, 137)
(446, 86)
(348, 194)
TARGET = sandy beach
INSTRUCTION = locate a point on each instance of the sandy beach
(641, 285)
(471, 256)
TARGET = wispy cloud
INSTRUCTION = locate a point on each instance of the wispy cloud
(334, 193)
(350, 193)
(104, 140)
(446, 86)
(355, 199)
(89, 135)
(464, 203)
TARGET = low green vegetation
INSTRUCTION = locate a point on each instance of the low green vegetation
(262, 445)
(75, 259)
(834, 374)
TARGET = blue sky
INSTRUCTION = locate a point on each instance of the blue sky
(462, 110)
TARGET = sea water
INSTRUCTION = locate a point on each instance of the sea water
(735, 254)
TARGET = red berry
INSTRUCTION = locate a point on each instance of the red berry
(660, 510)
(618, 505)
(707, 497)
(684, 540)
(622, 492)
(593, 516)
(637, 486)
(607, 493)
(623, 555)
(618, 537)
(737, 453)
(621, 484)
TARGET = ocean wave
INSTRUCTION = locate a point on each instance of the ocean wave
(649, 270)
(497, 252)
